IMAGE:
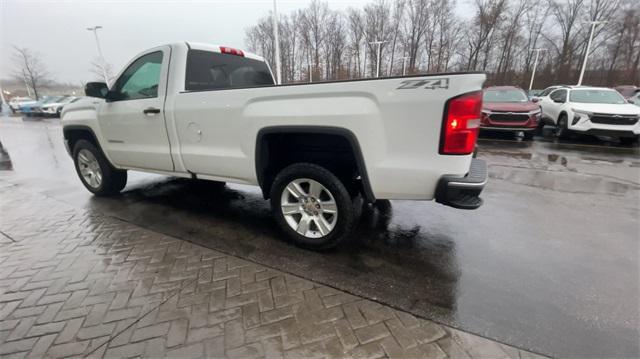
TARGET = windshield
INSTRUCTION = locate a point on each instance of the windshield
(597, 96)
(52, 99)
(504, 96)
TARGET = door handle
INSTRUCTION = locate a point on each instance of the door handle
(151, 110)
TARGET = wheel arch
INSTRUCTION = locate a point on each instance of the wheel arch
(562, 113)
(73, 133)
(262, 159)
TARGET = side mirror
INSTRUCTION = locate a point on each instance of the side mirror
(535, 99)
(631, 101)
(96, 89)
(111, 96)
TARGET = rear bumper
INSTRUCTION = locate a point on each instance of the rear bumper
(463, 192)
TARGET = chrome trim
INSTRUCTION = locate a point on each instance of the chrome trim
(534, 112)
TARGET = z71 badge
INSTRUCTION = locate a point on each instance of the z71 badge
(429, 84)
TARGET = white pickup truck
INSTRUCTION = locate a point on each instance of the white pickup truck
(214, 113)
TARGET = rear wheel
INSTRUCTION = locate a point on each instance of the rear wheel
(95, 171)
(312, 206)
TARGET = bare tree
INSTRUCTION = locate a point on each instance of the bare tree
(534, 21)
(396, 19)
(567, 15)
(96, 70)
(498, 39)
(417, 12)
(356, 39)
(30, 70)
(314, 34)
(487, 20)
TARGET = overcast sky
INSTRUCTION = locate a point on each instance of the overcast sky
(57, 29)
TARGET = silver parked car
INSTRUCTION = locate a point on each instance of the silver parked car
(54, 108)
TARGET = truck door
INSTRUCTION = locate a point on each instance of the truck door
(132, 119)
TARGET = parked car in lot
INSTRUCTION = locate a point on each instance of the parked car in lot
(33, 109)
(591, 110)
(533, 93)
(54, 108)
(545, 92)
(507, 108)
(635, 99)
(214, 113)
(17, 102)
(627, 91)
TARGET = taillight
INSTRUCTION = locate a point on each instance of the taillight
(231, 51)
(461, 124)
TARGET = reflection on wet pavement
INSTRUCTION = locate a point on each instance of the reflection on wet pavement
(5, 159)
(547, 257)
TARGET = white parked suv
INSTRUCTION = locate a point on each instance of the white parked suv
(591, 110)
(214, 113)
(16, 102)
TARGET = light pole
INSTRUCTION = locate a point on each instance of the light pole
(535, 66)
(586, 54)
(364, 65)
(309, 66)
(277, 43)
(102, 61)
(379, 43)
(404, 63)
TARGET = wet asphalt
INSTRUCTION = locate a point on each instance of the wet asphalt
(550, 263)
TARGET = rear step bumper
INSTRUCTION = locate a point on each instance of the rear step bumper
(463, 192)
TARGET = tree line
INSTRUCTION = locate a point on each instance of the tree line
(429, 36)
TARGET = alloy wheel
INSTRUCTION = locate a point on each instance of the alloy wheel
(89, 168)
(309, 208)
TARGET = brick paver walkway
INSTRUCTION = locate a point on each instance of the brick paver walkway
(76, 283)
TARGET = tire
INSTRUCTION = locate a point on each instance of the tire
(561, 130)
(528, 135)
(315, 208)
(110, 180)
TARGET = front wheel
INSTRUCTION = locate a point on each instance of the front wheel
(561, 127)
(312, 206)
(95, 171)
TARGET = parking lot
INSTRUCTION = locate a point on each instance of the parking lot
(549, 264)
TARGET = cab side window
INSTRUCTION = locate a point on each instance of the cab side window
(559, 96)
(140, 80)
(208, 70)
